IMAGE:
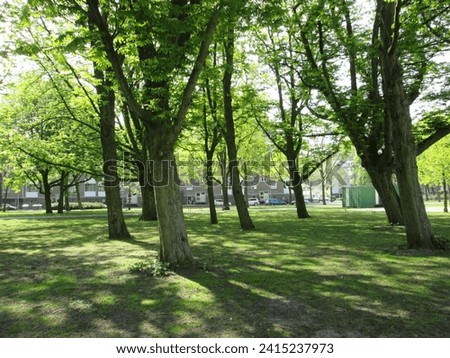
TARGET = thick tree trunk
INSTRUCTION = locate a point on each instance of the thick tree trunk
(210, 186)
(296, 183)
(148, 203)
(381, 178)
(230, 138)
(302, 212)
(239, 198)
(61, 200)
(418, 228)
(117, 228)
(47, 192)
(174, 244)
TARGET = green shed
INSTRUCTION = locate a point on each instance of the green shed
(359, 197)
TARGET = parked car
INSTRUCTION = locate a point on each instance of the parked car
(219, 202)
(306, 201)
(253, 202)
(10, 207)
(275, 201)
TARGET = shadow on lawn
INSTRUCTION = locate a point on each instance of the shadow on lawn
(267, 283)
(329, 283)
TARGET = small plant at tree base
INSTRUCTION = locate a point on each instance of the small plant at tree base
(155, 268)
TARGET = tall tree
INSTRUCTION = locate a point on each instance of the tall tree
(39, 126)
(53, 44)
(397, 116)
(289, 132)
(162, 55)
(117, 227)
(365, 107)
(230, 137)
(327, 33)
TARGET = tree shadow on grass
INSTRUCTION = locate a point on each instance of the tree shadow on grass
(322, 282)
(276, 282)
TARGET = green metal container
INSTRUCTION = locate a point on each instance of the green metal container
(358, 197)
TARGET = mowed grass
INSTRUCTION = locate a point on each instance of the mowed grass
(339, 274)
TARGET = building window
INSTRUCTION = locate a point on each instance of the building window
(90, 188)
(101, 189)
(31, 191)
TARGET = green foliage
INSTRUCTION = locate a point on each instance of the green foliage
(155, 268)
(42, 131)
(434, 163)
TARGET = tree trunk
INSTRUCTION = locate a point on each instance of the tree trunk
(67, 202)
(230, 138)
(210, 186)
(148, 203)
(61, 200)
(47, 192)
(381, 178)
(117, 228)
(5, 198)
(296, 183)
(444, 185)
(174, 244)
(418, 228)
(62, 191)
(224, 168)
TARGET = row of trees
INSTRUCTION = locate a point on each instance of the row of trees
(148, 78)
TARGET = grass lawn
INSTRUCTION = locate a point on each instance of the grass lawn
(339, 274)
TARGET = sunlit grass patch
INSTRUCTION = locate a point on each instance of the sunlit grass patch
(340, 271)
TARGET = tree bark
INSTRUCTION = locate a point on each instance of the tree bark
(174, 244)
(381, 177)
(233, 165)
(47, 192)
(418, 228)
(5, 197)
(210, 186)
(62, 191)
(148, 203)
(296, 183)
(61, 200)
(154, 108)
(224, 169)
(144, 175)
(117, 228)
(445, 187)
